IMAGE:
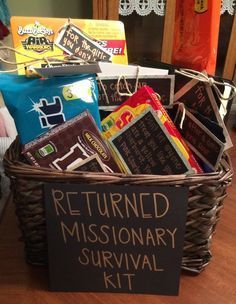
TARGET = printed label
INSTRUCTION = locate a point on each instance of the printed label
(201, 6)
(37, 40)
(50, 113)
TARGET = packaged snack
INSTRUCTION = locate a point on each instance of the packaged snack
(196, 34)
(146, 96)
(37, 105)
(74, 145)
(120, 118)
(144, 146)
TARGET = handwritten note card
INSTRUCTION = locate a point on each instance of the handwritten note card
(108, 88)
(74, 42)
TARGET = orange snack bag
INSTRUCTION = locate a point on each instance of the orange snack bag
(196, 34)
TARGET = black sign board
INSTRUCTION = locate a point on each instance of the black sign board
(180, 81)
(199, 97)
(203, 142)
(67, 69)
(115, 239)
(163, 85)
(144, 146)
(74, 42)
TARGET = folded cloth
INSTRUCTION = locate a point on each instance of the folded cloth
(4, 31)
(4, 181)
(8, 123)
(3, 132)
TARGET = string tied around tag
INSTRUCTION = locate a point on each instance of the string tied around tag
(201, 76)
(182, 106)
(33, 60)
(103, 89)
(68, 23)
(128, 92)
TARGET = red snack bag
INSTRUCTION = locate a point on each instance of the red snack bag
(196, 34)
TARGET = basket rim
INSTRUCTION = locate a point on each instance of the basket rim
(14, 167)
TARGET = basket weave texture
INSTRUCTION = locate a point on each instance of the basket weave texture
(206, 195)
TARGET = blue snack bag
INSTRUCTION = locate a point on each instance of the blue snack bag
(37, 104)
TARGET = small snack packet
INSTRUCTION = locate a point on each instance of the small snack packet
(37, 104)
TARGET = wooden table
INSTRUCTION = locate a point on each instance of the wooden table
(24, 284)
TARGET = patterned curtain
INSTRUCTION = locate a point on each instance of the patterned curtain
(145, 7)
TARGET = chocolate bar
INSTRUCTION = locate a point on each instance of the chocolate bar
(70, 146)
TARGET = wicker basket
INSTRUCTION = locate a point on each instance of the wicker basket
(207, 192)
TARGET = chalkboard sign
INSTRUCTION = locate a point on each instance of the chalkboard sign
(67, 69)
(144, 146)
(203, 142)
(180, 81)
(197, 96)
(115, 238)
(163, 85)
(74, 42)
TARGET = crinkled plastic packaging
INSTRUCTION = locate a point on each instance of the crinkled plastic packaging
(196, 34)
(37, 104)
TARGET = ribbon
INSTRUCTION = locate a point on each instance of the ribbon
(201, 76)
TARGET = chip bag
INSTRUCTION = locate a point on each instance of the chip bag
(37, 104)
(196, 34)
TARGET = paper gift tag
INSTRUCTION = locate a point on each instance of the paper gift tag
(73, 41)
(198, 96)
(212, 126)
(111, 69)
(145, 146)
(67, 69)
(180, 81)
(224, 104)
(109, 97)
(203, 142)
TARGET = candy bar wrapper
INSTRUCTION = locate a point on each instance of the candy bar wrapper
(37, 105)
(146, 96)
(74, 145)
(144, 146)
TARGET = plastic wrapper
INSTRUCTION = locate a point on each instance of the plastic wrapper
(37, 105)
(196, 34)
